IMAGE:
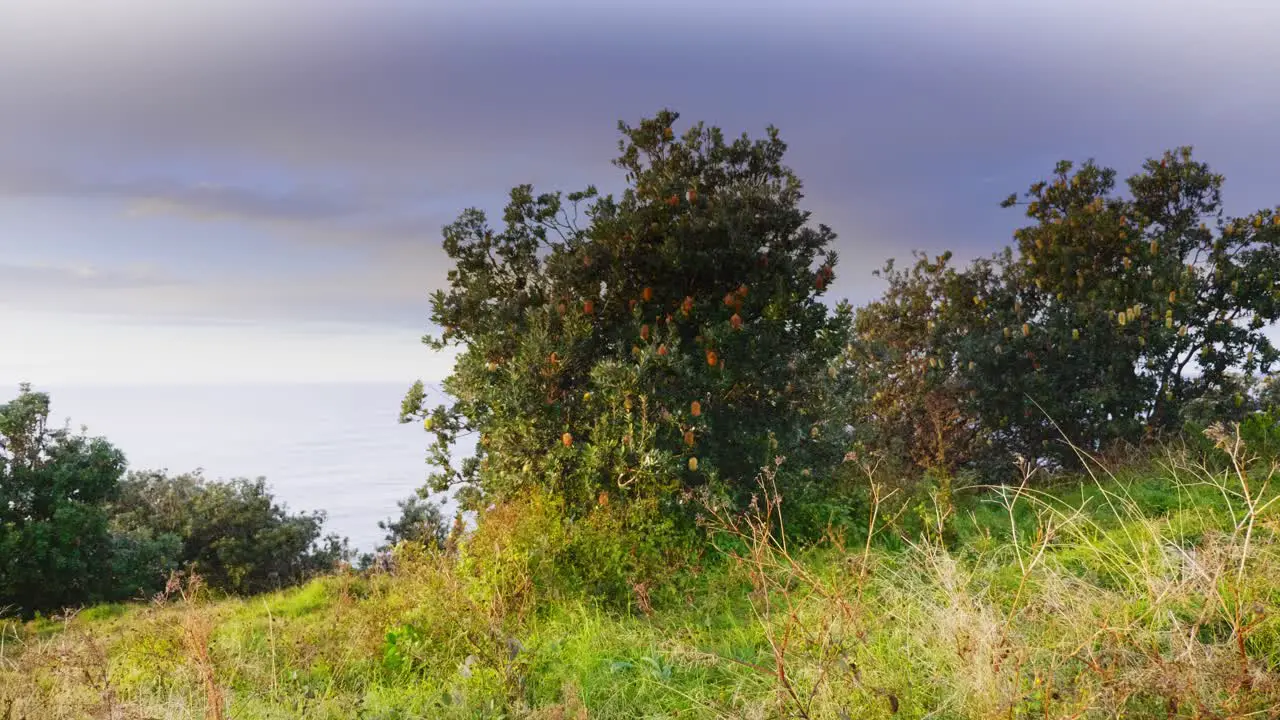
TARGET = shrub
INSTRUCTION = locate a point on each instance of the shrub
(674, 339)
(54, 542)
(420, 521)
(1109, 319)
(232, 533)
(141, 561)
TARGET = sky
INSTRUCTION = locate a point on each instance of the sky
(231, 191)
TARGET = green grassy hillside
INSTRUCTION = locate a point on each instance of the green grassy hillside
(1150, 592)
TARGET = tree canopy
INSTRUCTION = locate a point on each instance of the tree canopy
(55, 548)
(641, 346)
(1108, 316)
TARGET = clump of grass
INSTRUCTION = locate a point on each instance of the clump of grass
(1083, 612)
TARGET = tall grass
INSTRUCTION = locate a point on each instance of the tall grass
(1149, 590)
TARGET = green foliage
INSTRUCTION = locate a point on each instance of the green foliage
(142, 560)
(1233, 398)
(1175, 290)
(1091, 327)
(55, 549)
(641, 346)
(1260, 432)
(73, 532)
(232, 533)
(1269, 393)
(912, 406)
(420, 521)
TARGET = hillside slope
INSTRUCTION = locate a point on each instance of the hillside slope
(1150, 592)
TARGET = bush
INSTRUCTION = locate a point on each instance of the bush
(420, 521)
(1260, 432)
(55, 549)
(675, 339)
(232, 533)
(73, 532)
(1111, 318)
(141, 560)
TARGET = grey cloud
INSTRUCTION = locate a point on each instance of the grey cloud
(393, 298)
(908, 121)
(212, 201)
(20, 280)
(209, 200)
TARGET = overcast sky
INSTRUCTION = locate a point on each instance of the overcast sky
(226, 190)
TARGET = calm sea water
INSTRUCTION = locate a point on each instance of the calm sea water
(337, 448)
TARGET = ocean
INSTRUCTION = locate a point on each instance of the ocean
(337, 448)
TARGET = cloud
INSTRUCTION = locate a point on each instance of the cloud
(395, 296)
(341, 138)
(198, 200)
(58, 349)
(19, 281)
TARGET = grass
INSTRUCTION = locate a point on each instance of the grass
(1148, 592)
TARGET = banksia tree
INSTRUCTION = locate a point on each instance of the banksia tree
(1191, 290)
(1109, 315)
(671, 341)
